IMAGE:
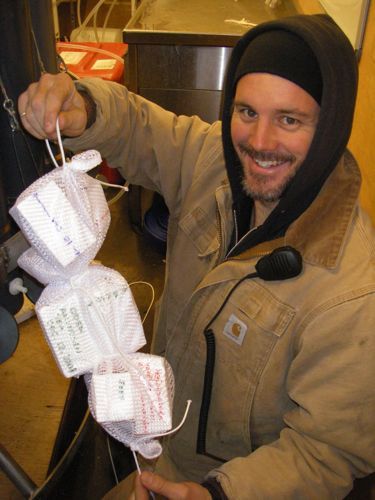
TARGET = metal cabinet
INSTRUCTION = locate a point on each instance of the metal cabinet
(178, 49)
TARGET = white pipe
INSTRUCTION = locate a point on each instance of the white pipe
(88, 18)
(64, 45)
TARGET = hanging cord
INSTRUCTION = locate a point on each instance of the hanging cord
(40, 61)
(88, 18)
(79, 12)
(152, 297)
(114, 2)
(95, 24)
(14, 124)
(111, 459)
(152, 495)
(153, 436)
(175, 429)
(124, 187)
(8, 105)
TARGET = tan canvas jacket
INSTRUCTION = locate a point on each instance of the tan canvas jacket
(292, 410)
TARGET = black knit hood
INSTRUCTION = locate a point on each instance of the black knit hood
(339, 71)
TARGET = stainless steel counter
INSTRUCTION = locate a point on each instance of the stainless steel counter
(197, 22)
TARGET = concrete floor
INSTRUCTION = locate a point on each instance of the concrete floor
(32, 390)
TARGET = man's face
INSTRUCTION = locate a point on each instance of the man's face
(272, 126)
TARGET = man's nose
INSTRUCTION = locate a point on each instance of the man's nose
(263, 136)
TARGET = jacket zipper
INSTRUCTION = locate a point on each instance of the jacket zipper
(236, 233)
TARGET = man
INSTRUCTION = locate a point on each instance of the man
(280, 371)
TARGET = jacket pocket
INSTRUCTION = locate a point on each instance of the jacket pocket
(198, 226)
(246, 333)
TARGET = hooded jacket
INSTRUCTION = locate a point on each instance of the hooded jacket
(339, 74)
(291, 399)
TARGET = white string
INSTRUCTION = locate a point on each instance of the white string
(104, 27)
(59, 140)
(116, 197)
(139, 471)
(152, 436)
(152, 298)
(52, 156)
(136, 462)
(111, 460)
(124, 187)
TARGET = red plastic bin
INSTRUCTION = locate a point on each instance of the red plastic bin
(82, 59)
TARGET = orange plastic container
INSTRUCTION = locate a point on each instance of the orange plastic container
(83, 59)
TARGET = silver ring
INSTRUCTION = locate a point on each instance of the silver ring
(23, 114)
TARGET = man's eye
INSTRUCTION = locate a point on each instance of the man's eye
(246, 113)
(289, 121)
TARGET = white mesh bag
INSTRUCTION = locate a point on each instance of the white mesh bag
(131, 396)
(65, 217)
(87, 312)
(88, 318)
(31, 262)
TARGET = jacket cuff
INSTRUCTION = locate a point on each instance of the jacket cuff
(90, 105)
(214, 488)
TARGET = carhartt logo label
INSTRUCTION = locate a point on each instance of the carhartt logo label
(235, 329)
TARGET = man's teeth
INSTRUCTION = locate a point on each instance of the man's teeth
(268, 164)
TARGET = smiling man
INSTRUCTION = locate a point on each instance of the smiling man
(272, 131)
(279, 366)
(272, 135)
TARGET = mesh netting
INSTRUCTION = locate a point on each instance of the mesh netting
(31, 262)
(131, 397)
(65, 217)
(89, 317)
(87, 311)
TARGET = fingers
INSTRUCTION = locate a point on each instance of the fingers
(53, 96)
(171, 490)
(141, 493)
(155, 483)
(29, 121)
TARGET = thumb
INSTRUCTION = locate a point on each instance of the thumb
(71, 110)
(158, 484)
(141, 493)
(71, 123)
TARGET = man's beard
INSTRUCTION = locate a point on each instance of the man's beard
(270, 195)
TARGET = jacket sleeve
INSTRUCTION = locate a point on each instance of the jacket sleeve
(329, 437)
(152, 147)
